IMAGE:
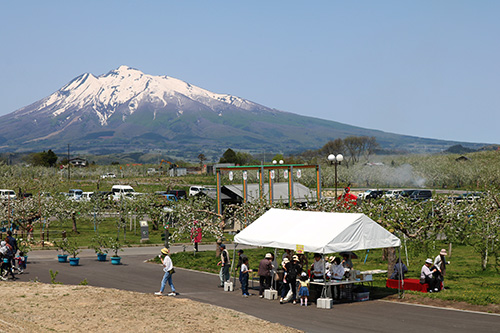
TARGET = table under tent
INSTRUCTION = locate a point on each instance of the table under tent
(318, 232)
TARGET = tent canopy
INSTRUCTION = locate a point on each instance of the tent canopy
(319, 232)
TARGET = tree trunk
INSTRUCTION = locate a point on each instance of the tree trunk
(73, 218)
(391, 256)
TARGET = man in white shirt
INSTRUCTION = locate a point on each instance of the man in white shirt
(426, 275)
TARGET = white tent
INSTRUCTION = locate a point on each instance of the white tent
(319, 232)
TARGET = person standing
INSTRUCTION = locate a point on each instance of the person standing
(292, 271)
(426, 275)
(196, 235)
(13, 246)
(168, 268)
(265, 269)
(400, 270)
(224, 263)
(440, 263)
(244, 274)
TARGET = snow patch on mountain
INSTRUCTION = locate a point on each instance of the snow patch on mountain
(128, 86)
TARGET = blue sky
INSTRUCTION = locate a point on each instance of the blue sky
(424, 68)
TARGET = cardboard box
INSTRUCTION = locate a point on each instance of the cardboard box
(324, 303)
(270, 294)
(228, 286)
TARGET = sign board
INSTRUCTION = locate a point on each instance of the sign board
(299, 249)
(144, 231)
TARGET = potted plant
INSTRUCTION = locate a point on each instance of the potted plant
(115, 246)
(100, 246)
(73, 250)
(24, 247)
(63, 246)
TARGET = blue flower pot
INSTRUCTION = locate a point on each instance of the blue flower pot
(101, 257)
(116, 260)
(74, 261)
(62, 257)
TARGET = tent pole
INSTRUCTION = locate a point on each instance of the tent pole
(402, 284)
(232, 265)
(324, 292)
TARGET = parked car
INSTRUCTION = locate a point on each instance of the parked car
(123, 191)
(468, 197)
(421, 195)
(194, 190)
(108, 175)
(371, 194)
(392, 194)
(180, 194)
(75, 194)
(7, 194)
(169, 197)
(87, 196)
(406, 193)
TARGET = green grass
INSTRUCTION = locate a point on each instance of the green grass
(108, 227)
(464, 281)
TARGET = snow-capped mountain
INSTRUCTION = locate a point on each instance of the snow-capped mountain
(127, 88)
(127, 110)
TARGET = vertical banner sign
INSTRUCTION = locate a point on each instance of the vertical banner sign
(271, 182)
(285, 174)
(290, 186)
(231, 175)
(245, 194)
(260, 173)
(299, 173)
(318, 183)
(219, 201)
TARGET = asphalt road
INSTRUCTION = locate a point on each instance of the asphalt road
(370, 316)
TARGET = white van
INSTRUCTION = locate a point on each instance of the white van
(87, 196)
(7, 194)
(125, 191)
(194, 190)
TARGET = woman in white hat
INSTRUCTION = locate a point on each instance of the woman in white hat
(440, 263)
(168, 268)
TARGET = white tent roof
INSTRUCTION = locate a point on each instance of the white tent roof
(319, 232)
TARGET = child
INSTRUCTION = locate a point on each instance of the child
(21, 262)
(244, 277)
(304, 290)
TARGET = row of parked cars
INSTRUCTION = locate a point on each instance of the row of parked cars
(396, 194)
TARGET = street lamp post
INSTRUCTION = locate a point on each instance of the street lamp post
(335, 160)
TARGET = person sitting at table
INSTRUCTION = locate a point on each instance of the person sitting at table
(399, 270)
(427, 275)
(318, 267)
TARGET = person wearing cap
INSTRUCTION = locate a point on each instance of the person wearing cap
(265, 269)
(168, 268)
(225, 265)
(292, 271)
(427, 275)
(440, 263)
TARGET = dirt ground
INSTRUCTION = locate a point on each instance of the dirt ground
(39, 307)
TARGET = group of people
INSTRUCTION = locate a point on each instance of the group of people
(9, 257)
(432, 272)
(295, 269)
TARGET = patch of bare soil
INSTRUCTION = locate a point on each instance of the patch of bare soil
(38, 307)
(417, 299)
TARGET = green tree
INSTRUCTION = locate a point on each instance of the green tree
(229, 156)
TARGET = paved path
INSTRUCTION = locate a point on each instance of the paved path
(371, 316)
